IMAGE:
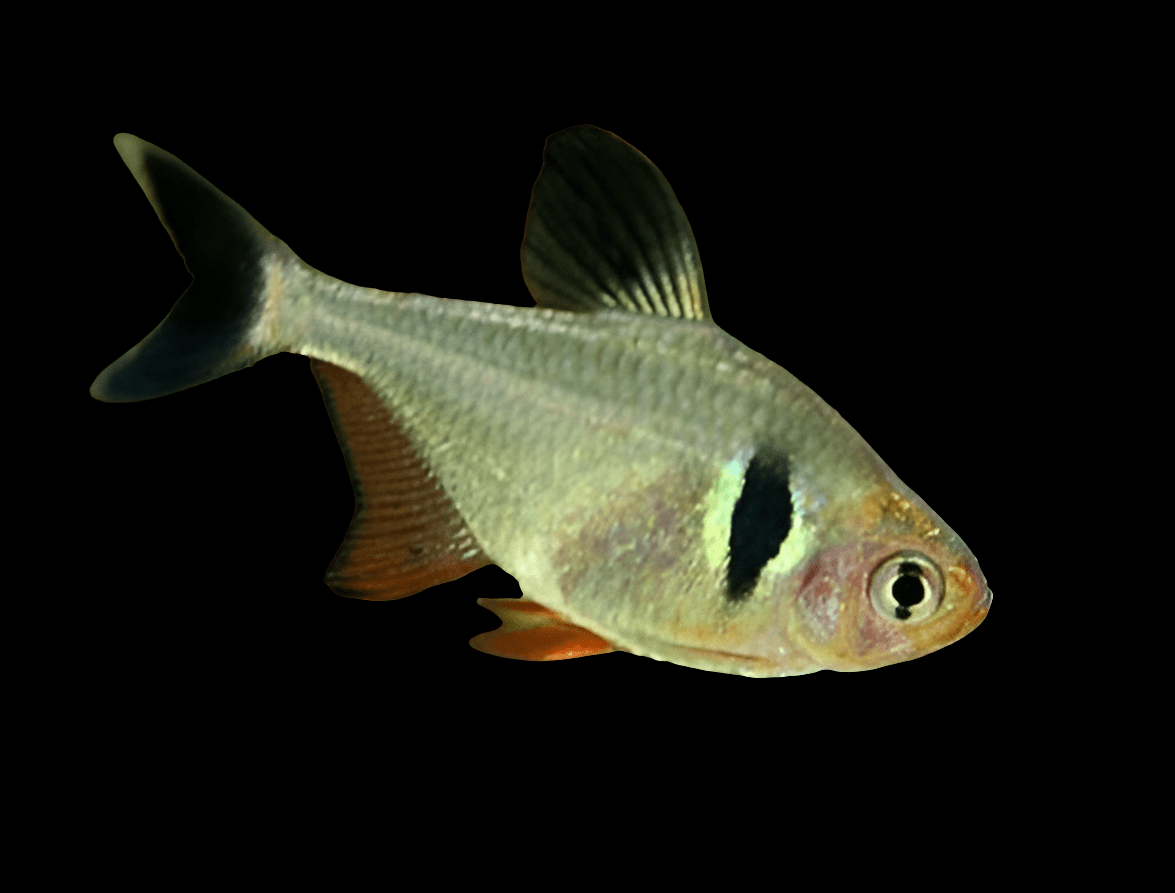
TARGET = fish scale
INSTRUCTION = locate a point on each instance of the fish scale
(654, 485)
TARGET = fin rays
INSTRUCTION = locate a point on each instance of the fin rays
(406, 535)
(605, 230)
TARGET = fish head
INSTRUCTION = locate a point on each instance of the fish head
(895, 584)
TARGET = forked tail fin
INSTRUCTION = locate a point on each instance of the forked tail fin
(219, 325)
(406, 534)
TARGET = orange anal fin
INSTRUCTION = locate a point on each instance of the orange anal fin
(530, 631)
(406, 535)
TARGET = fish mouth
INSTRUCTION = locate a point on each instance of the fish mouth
(986, 603)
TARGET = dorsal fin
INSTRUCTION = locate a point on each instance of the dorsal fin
(406, 535)
(604, 230)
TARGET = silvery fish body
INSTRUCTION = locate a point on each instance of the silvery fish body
(654, 485)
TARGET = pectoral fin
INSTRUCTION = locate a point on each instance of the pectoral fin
(530, 631)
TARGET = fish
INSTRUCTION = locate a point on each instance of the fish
(654, 485)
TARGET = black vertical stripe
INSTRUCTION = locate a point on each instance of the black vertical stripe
(760, 522)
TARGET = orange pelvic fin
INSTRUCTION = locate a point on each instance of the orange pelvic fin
(530, 631)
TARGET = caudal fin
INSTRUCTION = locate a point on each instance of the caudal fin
(217, 325)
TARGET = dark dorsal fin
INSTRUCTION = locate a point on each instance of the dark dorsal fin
(605, 230)
(406, 535)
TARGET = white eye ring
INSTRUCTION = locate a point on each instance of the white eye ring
(906, 587)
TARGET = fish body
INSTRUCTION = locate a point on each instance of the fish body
(654, 485)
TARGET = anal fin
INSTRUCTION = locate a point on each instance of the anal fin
(530, 631)
(406, 535)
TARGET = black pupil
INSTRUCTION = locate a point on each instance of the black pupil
(907, 589)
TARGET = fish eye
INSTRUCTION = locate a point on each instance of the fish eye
(906, 587)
